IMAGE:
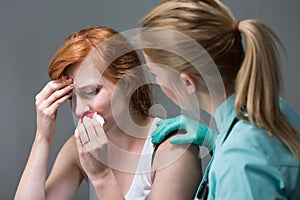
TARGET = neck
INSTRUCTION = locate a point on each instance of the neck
(124, 147)
(127, 134)
(210, 103)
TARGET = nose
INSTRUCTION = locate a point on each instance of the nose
(80, 107)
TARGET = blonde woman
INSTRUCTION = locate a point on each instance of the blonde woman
(257, 151)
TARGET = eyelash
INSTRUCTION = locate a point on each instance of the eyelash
(94, 91)
(87, 94)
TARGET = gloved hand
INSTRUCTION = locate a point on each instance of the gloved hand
(196, 132)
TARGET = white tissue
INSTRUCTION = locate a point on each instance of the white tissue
(99, 118)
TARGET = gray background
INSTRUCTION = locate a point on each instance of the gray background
(32, 30)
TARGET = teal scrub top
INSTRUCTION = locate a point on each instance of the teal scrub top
(250, 164)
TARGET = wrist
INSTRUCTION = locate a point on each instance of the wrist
(42, 139)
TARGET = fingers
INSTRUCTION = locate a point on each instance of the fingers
(57, 97)
(80, 148)
(169, 120)
(51, 87)
(182, 139)
(90, 130)
(164, 129)
(98, 129)
(92, 139)
(158, 135)
(59, 94)
(82, 133)
(52, 109)
(54, 94)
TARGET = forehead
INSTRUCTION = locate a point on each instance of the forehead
(84, 72)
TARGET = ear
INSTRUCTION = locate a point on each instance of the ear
(188, 82)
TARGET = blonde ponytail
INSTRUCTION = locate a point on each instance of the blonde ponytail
(258, 85)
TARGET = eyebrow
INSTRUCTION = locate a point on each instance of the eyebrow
(85, 87)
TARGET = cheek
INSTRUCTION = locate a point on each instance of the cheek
(166, 88)
(102, 103)
(163, 79)
(158, 81)
(170, 94)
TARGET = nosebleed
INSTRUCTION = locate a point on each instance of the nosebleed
(94, 115)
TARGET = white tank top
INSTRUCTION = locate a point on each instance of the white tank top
(141, 183)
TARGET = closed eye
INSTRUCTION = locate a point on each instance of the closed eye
(90, 93)
(94, 91)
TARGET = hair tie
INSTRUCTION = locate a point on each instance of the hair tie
(235, 26)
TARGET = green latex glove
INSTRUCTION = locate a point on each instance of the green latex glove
(196, 132)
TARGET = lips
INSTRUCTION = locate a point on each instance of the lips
(93, 114)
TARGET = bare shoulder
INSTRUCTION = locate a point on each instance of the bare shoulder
(167, 153)
(176, 171)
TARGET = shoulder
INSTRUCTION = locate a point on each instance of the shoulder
(250, 155)
(167, 153)
(176, 171)
(248, 140)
